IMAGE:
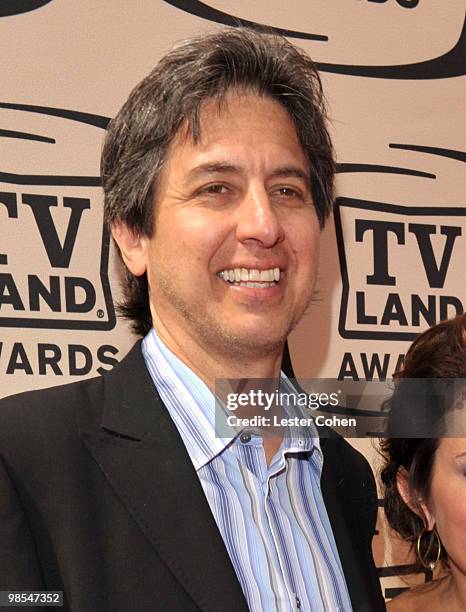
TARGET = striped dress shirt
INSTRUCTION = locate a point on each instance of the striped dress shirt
(272, 518)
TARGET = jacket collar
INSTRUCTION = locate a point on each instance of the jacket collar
(142, 456)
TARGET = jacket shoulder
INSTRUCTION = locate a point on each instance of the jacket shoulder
(42, 415)
(347, 478)
(53, 416)
(40, 397)
(343, 458)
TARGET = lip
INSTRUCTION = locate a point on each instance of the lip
(256, 294)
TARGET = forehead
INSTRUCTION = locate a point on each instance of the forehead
(239, 118)
(451, 447)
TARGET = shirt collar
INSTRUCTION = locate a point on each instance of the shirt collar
(191, 404)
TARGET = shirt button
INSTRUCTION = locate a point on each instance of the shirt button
(245, 438)
(298, 603)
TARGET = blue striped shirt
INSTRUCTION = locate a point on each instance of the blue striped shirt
(272, 518)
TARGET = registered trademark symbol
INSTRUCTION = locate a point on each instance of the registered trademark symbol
(100, 313)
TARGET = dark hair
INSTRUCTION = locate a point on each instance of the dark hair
(439, 354)
(194, 71)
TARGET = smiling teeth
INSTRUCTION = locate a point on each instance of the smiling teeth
(259, 278)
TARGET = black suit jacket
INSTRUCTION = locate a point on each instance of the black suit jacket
(98, 498)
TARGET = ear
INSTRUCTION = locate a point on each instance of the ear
(133, 247)
(414, 502)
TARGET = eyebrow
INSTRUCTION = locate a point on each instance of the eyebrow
(213, 168)
(218, 167)
(295, 171)
(461, 455)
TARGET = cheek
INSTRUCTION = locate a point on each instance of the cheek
(188, 237)
(450, 515)
(306, 246)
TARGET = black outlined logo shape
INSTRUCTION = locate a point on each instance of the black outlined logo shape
(59, 250)
(449, 64)
(16, 7)
(371, 237)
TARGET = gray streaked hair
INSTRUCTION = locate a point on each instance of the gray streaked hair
(203, 68)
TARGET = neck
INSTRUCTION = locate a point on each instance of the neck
(456, 589)
(211, 363)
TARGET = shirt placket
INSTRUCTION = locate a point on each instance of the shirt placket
(286, 601)
(276, 470)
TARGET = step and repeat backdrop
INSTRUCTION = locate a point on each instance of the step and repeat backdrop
(393, 255)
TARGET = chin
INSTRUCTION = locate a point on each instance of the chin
(253, 342)
(237, 336)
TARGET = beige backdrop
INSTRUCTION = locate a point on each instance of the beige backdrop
(393, 71)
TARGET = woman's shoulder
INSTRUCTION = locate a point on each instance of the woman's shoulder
(405, 602)
(419, 598)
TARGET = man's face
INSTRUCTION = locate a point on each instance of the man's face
(232, 261)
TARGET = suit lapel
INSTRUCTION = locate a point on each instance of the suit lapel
(143, 457)
(351, 521)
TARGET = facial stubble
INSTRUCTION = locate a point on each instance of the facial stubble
(217, 337)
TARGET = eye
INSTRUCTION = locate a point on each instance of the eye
(215, 188)
(288, 191)
(288, 194)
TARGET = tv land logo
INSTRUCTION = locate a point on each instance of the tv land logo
(385, 251)
(329, 26)
(54, 248)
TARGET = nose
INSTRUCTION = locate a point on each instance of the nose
(258, 221)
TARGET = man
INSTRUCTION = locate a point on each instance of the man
(217, 175)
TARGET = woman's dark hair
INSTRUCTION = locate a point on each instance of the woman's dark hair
(199, 69)
(439, 355)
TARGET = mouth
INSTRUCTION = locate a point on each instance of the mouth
(251, 277)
